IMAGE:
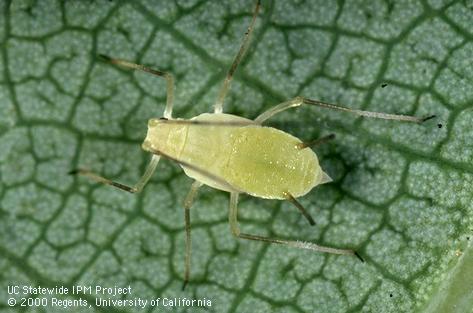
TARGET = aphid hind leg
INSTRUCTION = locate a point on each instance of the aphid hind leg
(233, 219)
(135, 189)
(187, 205)
(169, 80)
(218, 108)
(298, 101)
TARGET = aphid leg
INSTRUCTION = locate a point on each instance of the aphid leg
(135, 189)
(169, 80)
(241, 53)
(299, 206)
(298, 101)
(316, 142)
(187, 217)
(233, 218)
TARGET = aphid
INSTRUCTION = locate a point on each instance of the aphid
(237, 155)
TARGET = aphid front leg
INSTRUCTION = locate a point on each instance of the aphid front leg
(169, 80)
(298, 101)
(241, 53)
(187, 217)
(233, 219)
(135, 189)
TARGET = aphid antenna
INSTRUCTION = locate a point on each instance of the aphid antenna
(209, 123)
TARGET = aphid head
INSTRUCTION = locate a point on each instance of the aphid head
(165, 137)
(153, 122)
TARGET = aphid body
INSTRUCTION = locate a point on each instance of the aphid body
(260, 161)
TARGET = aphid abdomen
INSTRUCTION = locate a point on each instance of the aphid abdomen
(265, 162)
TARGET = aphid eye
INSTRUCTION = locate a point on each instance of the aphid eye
(163, 118)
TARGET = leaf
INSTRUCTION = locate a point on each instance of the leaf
(401, 193)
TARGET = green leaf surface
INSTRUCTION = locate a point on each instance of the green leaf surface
(401, 194)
